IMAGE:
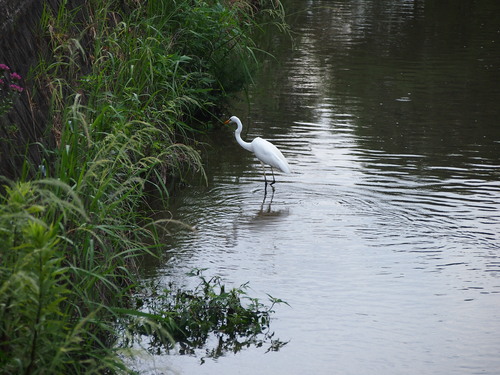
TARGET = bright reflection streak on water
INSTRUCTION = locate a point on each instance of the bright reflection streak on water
(385, 239)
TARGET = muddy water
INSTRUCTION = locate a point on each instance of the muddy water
(385, 239)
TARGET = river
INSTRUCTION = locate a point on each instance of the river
(385, 238)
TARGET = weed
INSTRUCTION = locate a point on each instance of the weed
(192, 317)
(42, 325)
(10, 88)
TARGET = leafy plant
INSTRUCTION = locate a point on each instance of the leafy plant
(192, 317)
(43, 325)
(10, 88)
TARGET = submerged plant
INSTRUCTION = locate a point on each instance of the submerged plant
(210, 312)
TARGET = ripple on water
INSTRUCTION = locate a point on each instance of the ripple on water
(385, 238)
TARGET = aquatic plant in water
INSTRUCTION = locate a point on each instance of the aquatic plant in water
(210, 317)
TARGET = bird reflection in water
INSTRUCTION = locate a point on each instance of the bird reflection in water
(268, 210)
(266, 214)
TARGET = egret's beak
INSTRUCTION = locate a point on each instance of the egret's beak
(227, 121)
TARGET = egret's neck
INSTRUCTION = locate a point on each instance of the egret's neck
(237, 134)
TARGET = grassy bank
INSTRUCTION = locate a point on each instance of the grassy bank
(130, 84)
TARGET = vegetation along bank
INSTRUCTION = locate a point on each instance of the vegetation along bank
(107, 115)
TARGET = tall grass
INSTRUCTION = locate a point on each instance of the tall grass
(131, 83)
(44, 325)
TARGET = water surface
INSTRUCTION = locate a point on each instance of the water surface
(385, 239)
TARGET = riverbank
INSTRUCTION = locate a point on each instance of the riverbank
(128, 87)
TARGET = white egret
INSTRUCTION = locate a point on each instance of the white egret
(264, 150)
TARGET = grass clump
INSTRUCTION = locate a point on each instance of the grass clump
(130, 84)
(45, 325)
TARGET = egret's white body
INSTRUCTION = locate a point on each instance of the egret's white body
(264, 150)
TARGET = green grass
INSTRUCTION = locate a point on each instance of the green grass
(131, 84)
(46, 327)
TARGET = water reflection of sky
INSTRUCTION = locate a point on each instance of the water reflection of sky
(385, 239)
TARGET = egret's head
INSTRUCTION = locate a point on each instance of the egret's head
(232, 119)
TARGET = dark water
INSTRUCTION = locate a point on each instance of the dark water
(385, 240)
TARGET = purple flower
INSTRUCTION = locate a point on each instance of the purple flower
(15, 76)
(16, 88)
(4, 67)
(1, 82)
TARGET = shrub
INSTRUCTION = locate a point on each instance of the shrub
(10, 88)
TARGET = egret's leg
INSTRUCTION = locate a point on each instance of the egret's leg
(264, 169)
(272, 183)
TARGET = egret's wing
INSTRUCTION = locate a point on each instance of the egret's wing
(268, 153)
